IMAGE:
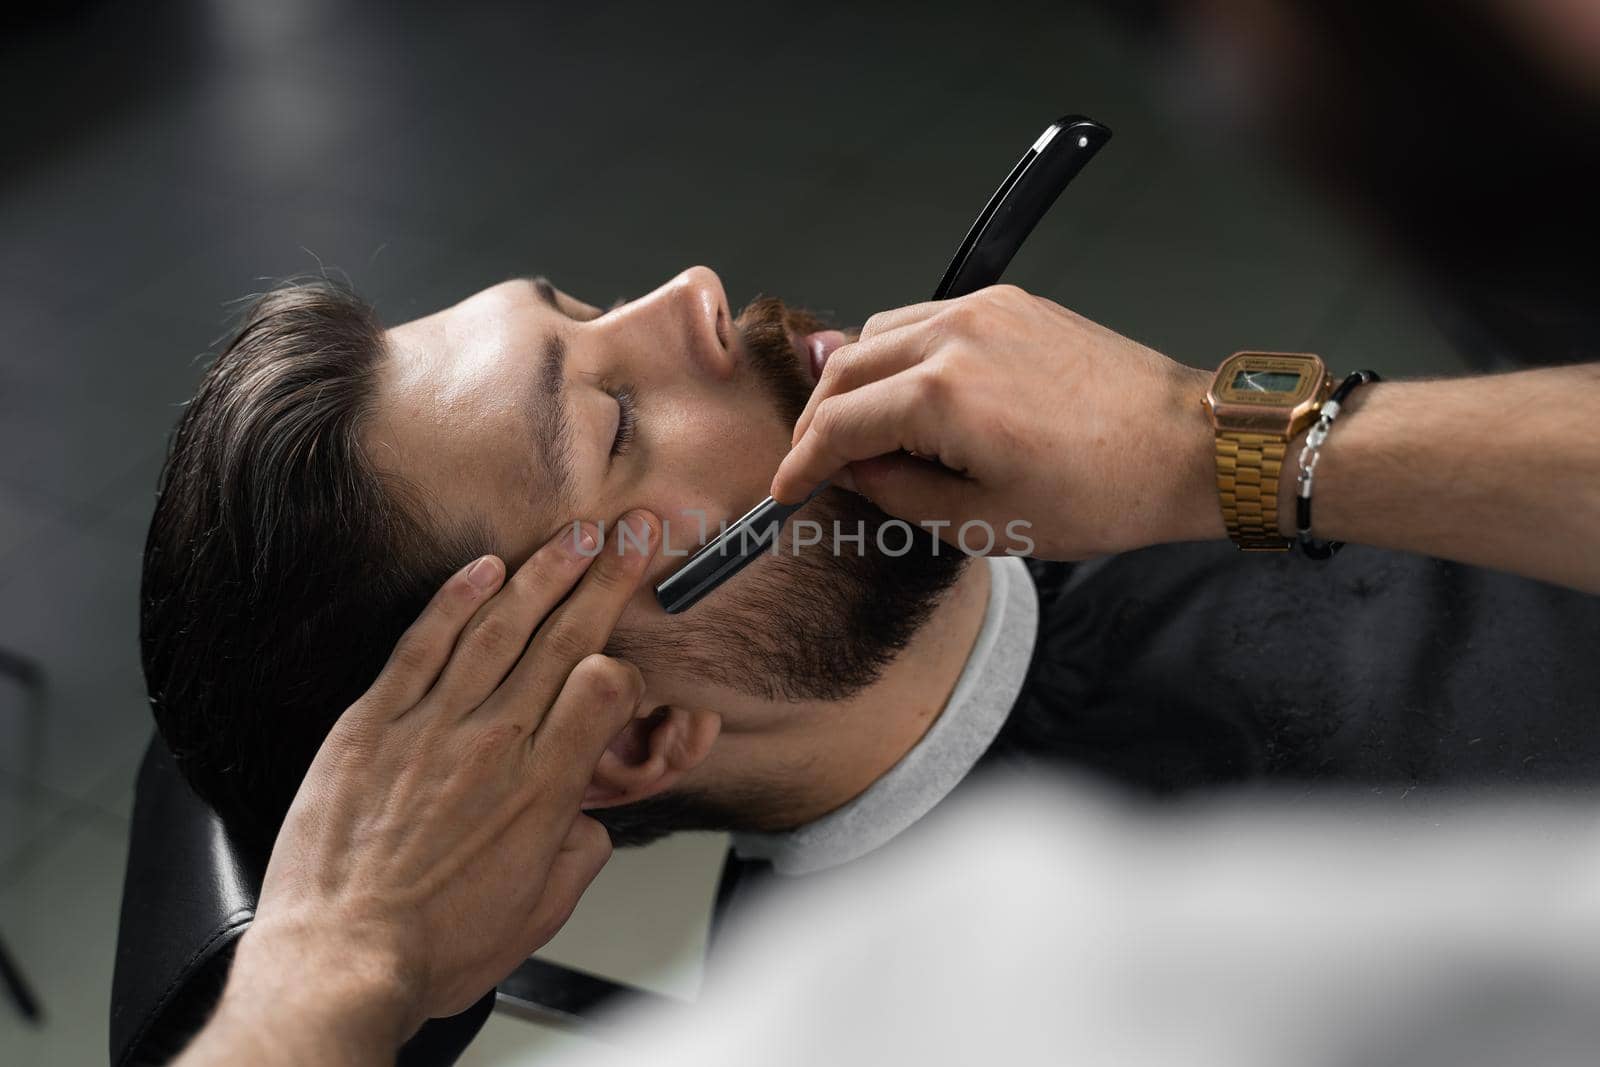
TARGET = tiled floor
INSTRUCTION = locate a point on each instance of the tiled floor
(831, 156)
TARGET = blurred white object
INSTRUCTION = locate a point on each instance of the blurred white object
(1049, 925)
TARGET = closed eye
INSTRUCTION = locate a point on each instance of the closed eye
(627, 419)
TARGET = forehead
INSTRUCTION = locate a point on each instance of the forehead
(450, 414)
(451, 371)
(473, 332)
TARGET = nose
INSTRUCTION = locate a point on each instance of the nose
(693, 306)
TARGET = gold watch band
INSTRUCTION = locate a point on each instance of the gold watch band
(1248, 468)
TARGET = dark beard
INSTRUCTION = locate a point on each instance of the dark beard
(812, 625)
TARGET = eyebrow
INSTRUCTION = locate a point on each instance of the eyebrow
(552, 429)
(546, 291)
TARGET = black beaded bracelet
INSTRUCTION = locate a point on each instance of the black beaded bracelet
(1309, 454)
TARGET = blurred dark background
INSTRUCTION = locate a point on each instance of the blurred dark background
(1396, 185)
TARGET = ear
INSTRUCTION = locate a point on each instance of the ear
(651, 754)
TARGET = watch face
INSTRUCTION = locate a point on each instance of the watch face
(1266, 381)
(1265, 391)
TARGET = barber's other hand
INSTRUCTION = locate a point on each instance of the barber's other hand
(437, 839)
(1015, 408)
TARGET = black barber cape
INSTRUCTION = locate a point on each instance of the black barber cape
(1196, 665)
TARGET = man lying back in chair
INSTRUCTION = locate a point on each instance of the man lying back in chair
(329, 474)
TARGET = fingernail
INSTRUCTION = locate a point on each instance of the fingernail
(484, 573)
(639, 534)
(583, 540)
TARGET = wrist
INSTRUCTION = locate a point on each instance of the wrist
(1289, 483)
(332, 981)
(1356, 442)
(1342, 452)
(1195, 514)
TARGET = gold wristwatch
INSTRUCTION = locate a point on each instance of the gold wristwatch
(1258, 402)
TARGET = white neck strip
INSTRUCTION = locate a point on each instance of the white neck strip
(978, 707)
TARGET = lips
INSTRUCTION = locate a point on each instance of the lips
(817, 347)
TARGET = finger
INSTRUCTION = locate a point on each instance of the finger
(599, 698)
(918, 491)
(581, 626)
(583, 854)
(895, 318)
(499, 632)
(424, 649)
(873, 332)
(854, 365)
(891, 415)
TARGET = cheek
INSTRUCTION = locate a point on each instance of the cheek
(713, 473)
(693, 518)
(730, 438)
(642, 611)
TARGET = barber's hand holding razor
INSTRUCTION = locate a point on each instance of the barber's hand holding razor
(437, 839)
(1001, 406)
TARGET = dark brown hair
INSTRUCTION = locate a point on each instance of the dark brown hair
(280, 566)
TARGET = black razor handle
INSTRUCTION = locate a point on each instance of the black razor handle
(1016, 207)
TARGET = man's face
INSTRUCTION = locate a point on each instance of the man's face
(525, 408)
(529, 408)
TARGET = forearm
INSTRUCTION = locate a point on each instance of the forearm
(1500, 471)
(293, 1004)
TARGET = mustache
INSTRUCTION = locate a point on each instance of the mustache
(766, 325)
(767, 312)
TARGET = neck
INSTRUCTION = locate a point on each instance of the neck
(820, 755)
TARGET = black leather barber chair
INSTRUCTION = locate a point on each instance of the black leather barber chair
(190, 892)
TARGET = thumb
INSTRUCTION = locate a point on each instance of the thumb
(911, 488)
